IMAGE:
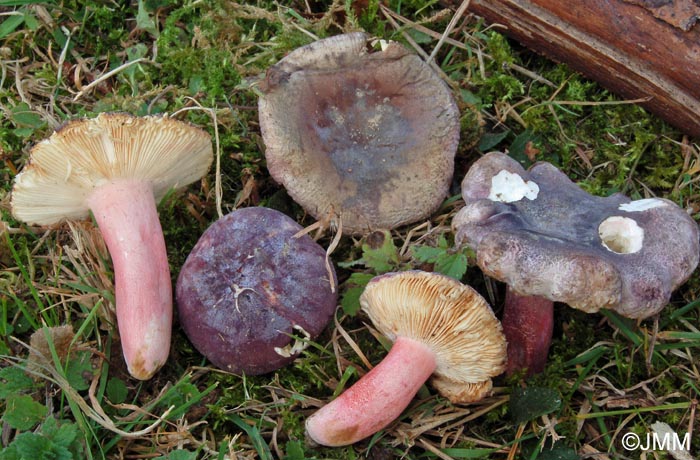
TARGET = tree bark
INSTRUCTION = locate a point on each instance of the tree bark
(635, 48)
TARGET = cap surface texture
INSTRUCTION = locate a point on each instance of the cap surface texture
(248, 286)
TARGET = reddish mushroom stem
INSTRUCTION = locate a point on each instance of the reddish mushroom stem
(377, 398)
(125, 211)
(527, 324)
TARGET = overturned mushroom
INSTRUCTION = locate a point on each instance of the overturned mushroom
(368, 135)
(549, 240)
(252, 293)
(117, 166)
(438, 327)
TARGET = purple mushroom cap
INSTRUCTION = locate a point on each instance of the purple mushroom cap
(544, 236)
(249, 286)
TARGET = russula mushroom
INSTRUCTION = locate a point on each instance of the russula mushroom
(438, 327)
(549, 240)
(252, 292)
(118, 166)
(369, 135)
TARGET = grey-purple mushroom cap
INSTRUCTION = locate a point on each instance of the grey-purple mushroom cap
(251, 294)
(543, 235)
(369, 135)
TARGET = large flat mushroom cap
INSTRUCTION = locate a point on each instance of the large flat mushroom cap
(451, 318)
(369, 135)
(543, 235)
(86, 153)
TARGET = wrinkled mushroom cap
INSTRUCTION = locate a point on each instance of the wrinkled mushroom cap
(83, 154)
(543, 235)
(250, 286)
(452, 319)
(369, 135)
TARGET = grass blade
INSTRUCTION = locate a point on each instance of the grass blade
(256, 438)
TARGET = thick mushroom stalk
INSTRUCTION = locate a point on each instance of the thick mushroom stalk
(125, 211)
(442, 330)
(377, 398)
(527, 324)
(118, 166)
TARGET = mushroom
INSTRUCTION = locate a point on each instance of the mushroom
(117, 166)
(369, 135)
(438, 327)
(549, 240)
(252, 293)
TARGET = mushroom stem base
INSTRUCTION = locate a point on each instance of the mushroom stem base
(377, 398)
(126, 213)
(527, 325)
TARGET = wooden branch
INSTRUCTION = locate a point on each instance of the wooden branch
(635, 48)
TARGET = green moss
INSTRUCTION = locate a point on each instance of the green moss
(206, 71)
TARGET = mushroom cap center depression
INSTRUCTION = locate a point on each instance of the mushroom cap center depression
(359, 125)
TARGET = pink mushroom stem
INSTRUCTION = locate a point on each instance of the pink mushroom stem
(125, 211)
(377, 398)
(527, 324)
